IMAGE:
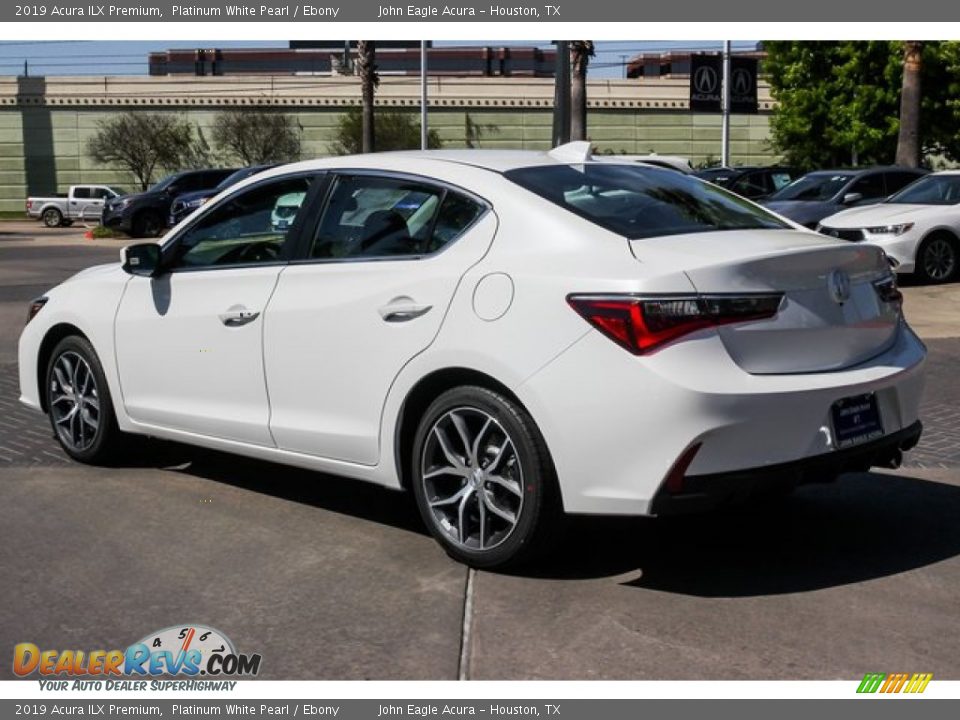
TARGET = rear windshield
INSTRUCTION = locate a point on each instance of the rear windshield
(640, 202)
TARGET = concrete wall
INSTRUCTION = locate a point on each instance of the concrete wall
(45, 122)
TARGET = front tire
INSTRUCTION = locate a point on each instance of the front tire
(483, 479)
(52, 217)
(146, 223)
(938, 258)
(79, 403)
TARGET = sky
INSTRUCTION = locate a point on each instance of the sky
(65, 57)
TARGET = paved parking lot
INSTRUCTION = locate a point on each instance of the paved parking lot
(330, 579)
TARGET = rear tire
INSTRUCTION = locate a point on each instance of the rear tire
(52, 217)
(483, 479)
(146, 223)
(79, 403)
(938, 258)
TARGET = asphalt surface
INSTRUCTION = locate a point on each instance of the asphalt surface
(331, 579)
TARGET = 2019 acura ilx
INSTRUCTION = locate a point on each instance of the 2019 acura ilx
(509, 335)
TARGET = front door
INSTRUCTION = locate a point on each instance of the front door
(190, 341)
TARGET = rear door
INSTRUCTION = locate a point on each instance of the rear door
(370, 292)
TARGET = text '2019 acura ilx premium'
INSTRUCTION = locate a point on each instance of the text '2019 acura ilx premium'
(509, 335)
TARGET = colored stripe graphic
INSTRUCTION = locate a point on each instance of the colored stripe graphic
(894, 683)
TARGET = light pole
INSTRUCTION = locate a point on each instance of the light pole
(725, 107)
(423, 95)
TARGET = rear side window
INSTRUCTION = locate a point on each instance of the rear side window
(751, 185)
(639, 202)
(780, 179)
(368, 216)
(81, 193)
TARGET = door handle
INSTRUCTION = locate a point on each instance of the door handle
(403, 311)
(237, 316)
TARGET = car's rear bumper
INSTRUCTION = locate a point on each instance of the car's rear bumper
(619, 427)
(704, 492)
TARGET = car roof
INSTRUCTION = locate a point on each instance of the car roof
(500, 161)
(864, 171)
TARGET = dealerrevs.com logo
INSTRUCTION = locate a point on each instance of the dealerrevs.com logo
(178, 651)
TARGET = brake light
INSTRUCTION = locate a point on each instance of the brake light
(888, 291)
(641, 324)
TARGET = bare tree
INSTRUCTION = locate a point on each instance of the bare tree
(369, 79)
(256, 137)
(580, 53)
(143, 143)
(908, 140)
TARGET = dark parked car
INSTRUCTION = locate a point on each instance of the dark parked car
(822, 193)
(187, 202)
(145, 214)
(753, 181)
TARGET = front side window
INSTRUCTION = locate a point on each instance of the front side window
(870, 186)
(376, 217)
(250, 227)
(638, 202)
(815, 187)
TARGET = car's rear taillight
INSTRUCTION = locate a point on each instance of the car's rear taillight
(888, 291)
(642, 324)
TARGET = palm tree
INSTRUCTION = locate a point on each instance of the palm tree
(908, 141)
(580, 53)
(369, 79)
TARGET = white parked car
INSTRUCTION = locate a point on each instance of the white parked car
(918, 227)
(510, 335)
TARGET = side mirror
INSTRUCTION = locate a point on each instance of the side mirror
(851, 198)
(141, 259)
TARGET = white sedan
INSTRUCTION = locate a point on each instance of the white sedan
(508, 335)
(918, 227)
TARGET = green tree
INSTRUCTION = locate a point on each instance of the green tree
(394, 131)
(144, 142)
(257, 137)
(839, 102)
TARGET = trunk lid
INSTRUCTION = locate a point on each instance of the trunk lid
(831, 316)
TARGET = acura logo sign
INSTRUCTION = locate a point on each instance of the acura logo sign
(838, 284)
(706, 81)
(742, 82)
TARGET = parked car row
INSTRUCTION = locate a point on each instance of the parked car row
(917, 223)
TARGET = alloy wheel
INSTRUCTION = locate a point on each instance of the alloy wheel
(74, 401)
(939, 259)
(472, 479)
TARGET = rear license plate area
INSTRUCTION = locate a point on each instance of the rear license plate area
(856, 420)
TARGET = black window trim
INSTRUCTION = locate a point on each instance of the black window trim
(306, 239)
(290, 248)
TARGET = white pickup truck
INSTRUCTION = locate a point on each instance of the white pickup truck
(83, 202)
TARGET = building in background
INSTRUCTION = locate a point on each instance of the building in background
(675, 64)
(336, 58)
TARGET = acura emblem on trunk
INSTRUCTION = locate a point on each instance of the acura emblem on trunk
(838, 283)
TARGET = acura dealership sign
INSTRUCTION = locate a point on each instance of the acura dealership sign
(706, 84)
